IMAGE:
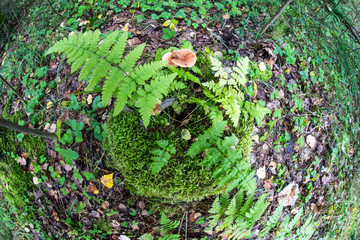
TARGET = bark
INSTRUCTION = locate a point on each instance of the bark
(15, 127)
(277, 14)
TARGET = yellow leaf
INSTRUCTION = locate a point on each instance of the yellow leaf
(107, 180)
(125, 28)
(48, 105)
(99, 16)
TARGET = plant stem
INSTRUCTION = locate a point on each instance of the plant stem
(15, 127)
(277, 14)
(9, 86)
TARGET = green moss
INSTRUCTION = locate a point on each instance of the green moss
(181, 179)
(17, 183)
(257, 74)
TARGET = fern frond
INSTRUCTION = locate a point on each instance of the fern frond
(106, 44)
(112, 81)
(257, 111)
(126, 88)
(117, 50)
(88, 67)
(167, 224)
(146, 71)
(149, 95)
(131, 58)
(100, 70)
(272, 221)
(258, 209)
(247, 205)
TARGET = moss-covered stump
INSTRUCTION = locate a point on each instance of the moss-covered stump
(182, 179)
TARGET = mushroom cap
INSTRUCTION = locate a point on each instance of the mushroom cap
(183, 58)
(167, 57)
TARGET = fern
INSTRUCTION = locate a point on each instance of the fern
(236, 218)
(228, 91)
(230, 167)
(304, 232)
(272, 221)
(105, 61)
(162, 155)
(167, 225)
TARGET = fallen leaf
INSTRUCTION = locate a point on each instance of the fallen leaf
(311, 141)
(185, 134)
(21, 161)
(107, 180)
(272, 167)
(89, 99)
(262, 66)
(92, 188)
(267, 185)
(261, 173)
(105, 205)
(125, 28)
(35, 180)
(290, 194)
(133, 41)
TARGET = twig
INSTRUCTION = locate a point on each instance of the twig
(9, 86)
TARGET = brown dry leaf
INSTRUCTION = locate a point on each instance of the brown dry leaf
(55, 215)
(92, 188)
(107, 180)
(105, 205)
(267, 185)
(290, 194)
(133, 41)
(21, 161)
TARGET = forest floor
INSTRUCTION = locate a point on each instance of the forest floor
(293, 145)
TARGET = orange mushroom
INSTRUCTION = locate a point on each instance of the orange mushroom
(181, 58)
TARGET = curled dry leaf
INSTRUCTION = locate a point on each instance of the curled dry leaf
(290, 194)
(92, 188)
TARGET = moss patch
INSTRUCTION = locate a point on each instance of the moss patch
(257, 74)
(181, 179)
(17, 182)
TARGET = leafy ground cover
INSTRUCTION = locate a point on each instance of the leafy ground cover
(304, 153)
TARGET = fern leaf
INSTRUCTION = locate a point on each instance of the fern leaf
(126, 88)
(166, 224)
(94, 41)
(106, 44)
(88, 67)
(258, 112)
(170, 237)
(128, 63)
(80, 61)
(272, 221)
(147, 103)
(100, 71)
(112, 81)
(247, 205)
(216, 115)
(117, 50)
(149, 95)
(258, 209)
(146, 71)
